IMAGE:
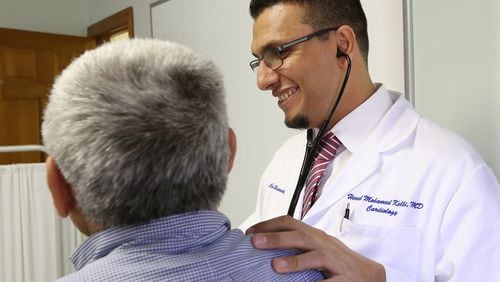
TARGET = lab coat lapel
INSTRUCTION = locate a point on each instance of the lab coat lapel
(360, 167)
(395, 129)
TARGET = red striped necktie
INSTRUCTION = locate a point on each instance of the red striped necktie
(326, 152)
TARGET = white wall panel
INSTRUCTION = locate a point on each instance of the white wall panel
(457, 69)
(52, 16)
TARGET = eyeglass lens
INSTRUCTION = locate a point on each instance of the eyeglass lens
(271, 58)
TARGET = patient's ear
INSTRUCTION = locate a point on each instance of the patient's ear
(232, 149)
(62, 194)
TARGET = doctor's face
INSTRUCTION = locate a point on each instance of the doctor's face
(306, 83)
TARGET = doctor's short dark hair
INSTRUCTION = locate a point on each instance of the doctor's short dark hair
(326, 13)
(139, 130)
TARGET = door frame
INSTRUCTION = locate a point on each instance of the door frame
(103, 30)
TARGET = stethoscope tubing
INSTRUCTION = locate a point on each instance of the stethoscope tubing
(312, 145)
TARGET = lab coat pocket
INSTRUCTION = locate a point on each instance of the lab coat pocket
(397, 247)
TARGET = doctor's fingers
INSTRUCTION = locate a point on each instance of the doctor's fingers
(335, 266)
(309, 260)
(308, 239)
(277, 224)
(332, 267)
(282, 240)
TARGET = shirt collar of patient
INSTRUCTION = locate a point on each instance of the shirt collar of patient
(156, 232)
(355, 127)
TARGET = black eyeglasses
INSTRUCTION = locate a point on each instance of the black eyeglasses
(272, 57)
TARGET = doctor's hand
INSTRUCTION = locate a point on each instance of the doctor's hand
(321, 251)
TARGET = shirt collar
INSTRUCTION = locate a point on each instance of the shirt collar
(182, 232)
(355, 127)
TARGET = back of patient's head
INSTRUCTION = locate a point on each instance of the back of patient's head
(139, 130)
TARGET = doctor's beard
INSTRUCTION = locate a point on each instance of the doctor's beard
(300, 121)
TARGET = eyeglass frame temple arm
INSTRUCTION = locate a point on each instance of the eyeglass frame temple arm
(305, 38)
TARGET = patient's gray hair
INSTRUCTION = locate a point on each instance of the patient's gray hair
(139, 129)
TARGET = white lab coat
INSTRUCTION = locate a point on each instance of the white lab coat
(422, 201)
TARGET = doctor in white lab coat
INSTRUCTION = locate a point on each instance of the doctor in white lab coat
(421, 201)
(403, 200)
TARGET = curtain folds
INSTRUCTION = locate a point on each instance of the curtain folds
(34, 242)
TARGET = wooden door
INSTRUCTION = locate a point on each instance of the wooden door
(29, 62)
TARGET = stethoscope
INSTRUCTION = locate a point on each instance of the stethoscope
(313, 143)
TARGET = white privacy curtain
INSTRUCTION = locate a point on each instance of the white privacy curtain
(34, 242)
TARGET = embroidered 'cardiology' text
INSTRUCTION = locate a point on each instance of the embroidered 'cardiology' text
(383, 205)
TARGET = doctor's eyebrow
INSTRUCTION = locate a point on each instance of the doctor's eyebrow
(270, 45)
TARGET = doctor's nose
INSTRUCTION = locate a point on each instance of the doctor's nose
(266, 77)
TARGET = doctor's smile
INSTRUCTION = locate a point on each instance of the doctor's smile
(282, 98)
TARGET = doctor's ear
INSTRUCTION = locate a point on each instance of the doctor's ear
(62, 194)
(346, 41)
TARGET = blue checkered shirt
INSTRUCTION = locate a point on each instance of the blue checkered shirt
(197, 246)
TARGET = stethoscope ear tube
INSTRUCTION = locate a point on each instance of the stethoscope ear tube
(312, 145)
